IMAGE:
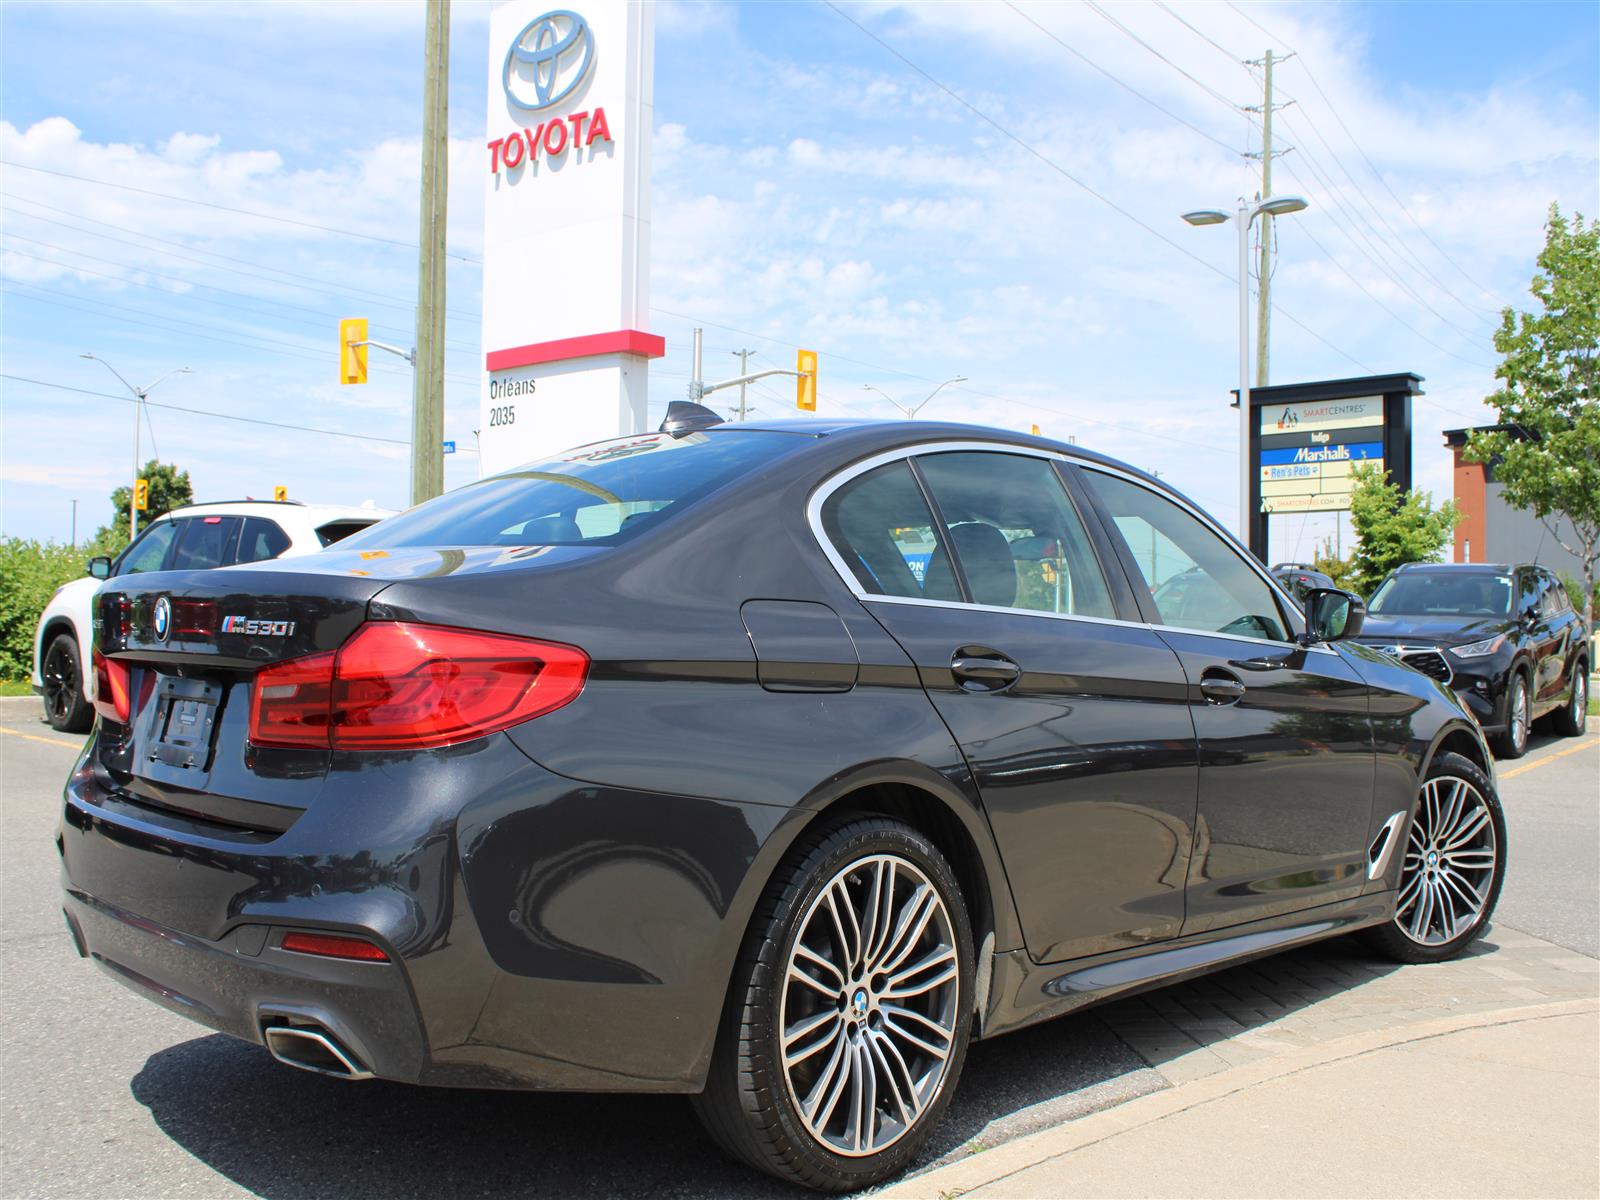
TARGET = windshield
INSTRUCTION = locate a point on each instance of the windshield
(1445, 594)
(596, 495)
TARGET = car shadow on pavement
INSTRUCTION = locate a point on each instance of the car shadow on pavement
(287, 1134)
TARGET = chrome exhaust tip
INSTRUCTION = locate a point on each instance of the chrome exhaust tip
(313, 1050)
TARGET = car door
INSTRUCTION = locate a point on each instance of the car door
(204, 543)
(1073, 715)
(1550, 635)
(1285, 736)
(150, 551)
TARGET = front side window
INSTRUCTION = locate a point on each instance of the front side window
(1194, 577)
(595, 495)
(150, 551)
(882, 528)
(1015, 533)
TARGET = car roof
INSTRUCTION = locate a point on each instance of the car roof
(888, 435)
(287, 509)
(1461, 568)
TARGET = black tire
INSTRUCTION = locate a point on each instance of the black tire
(1573, 717)
(749, 1105)
(65, 706)
(1391, 938)
(1513, 743)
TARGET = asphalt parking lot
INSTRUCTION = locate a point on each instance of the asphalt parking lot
(105, 1095)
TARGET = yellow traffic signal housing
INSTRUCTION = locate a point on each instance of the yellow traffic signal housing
(805, 393)
(141, 494)
(280, 493)
(352, 357)
(1034, 429)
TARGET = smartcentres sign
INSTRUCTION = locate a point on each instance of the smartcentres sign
(1307, 439)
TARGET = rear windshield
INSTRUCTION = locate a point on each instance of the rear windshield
(1444, 593)
(596, 495)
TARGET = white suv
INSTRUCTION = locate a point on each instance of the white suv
(192, 538)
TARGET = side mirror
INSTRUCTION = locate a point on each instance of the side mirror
(100, 567)
(1332, 614)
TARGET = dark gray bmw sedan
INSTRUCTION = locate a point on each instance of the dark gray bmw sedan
(765, 764)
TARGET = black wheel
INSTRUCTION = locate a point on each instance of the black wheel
(849, 1014)
(1573, 718)
(64, 704)
(1455, 863)
(1513, 743)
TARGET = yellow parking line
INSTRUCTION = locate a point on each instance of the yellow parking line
(1587, 744)
(34, 737)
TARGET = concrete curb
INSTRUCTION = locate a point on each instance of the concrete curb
(991, 1166)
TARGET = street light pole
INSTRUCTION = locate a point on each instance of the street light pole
(139, 396)
(1276, 206)
(911, 411)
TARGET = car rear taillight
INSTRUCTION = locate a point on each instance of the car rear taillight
(403, 686)
(328, 946)
(111, 691)
(291, 701)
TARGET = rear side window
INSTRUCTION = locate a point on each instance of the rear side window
(596, 495)
(337, 531)
(261, 539)
(883, 529)
(1015, 533)
(204, 543)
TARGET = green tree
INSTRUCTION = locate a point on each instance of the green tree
(1547, 455)
(1393, 528)
(169, 488)
(1330, 564)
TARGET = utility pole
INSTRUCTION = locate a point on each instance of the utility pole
(427, 398)
(1264, 265)
(74, 522)
(744, 366)
(139, 397)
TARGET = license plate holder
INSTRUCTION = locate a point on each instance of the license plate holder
(186, 719)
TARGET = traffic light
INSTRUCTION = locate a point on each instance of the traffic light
(352, 357)
(141, 494)
(280, 493)
(805, 392)
(1034, 429)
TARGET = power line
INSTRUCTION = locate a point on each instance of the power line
(307, 282)
(202, 412)
(1310, 75)
(111, 262)
(126, 187)
(1076, 53)
(1054, 166)
(1201, 84)
(1235, 59)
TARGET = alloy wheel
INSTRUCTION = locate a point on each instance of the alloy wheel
(1450, 863)
(1519, 714)
(869, 1008)
(60, 681)
(1580, 696)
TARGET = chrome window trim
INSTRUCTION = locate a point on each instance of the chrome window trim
(820, 493)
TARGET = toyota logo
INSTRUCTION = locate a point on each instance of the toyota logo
(161, 623)
(549, 60)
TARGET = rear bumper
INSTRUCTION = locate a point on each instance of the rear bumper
(541, 933)
(245, 982)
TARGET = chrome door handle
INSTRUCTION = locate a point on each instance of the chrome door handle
(988, 671)
(1220, 688)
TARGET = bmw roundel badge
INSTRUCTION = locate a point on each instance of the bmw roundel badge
(161, 622)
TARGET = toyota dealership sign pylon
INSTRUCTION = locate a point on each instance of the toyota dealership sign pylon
(566, 270)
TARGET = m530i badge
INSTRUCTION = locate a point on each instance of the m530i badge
(258, 627)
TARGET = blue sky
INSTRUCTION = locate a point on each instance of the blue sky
(809, 188)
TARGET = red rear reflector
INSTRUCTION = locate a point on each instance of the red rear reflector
(401, 686)
(329, 946)
(111, 688)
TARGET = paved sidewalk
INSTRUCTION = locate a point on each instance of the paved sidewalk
(1480, 1104)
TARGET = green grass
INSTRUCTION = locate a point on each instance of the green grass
(15, 687)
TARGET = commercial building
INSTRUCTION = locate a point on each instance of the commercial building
(1495, 531)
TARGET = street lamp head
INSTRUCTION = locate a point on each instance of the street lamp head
(1206, 216)
(86, 356)
(1280, 206)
